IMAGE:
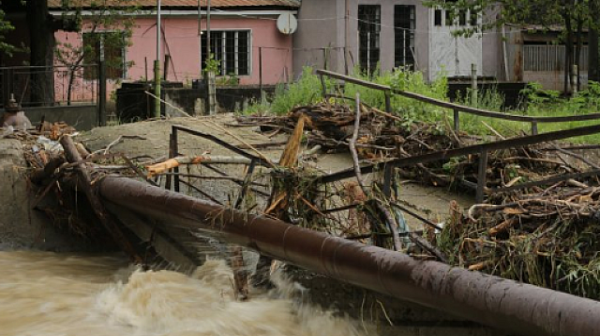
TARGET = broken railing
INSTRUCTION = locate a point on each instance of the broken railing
(457, 108)
(176, 181)
(480, 150)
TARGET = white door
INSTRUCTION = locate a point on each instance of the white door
(450, 54)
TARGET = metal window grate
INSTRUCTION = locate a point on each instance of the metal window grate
(112, 44)
(404, 35)
(369, 26)
(550, 58)
(231, 48)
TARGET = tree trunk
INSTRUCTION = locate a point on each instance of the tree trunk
(593, 71)
(578, 52)
(568, 50)
(41, 34)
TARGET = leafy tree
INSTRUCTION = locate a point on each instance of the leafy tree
(573, 15)
(99, 18)
(42, 26)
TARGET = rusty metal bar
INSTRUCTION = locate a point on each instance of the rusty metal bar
(323, 86)
(501, 303)
(456, 120)
(172, 154)
(481, 176)
(441, 155)
(223, 143)
(388, 102)
(175, 154)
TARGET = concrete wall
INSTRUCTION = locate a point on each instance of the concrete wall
(82, 117)
(493, 62)
(552, 80)
(21, 226)
(182, 43)
(322, 25)
(312, 37)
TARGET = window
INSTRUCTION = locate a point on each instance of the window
(369, 25)
(231, 48)
(437, 19)
(473, 20)
(113, 46)
(462, 17)
(404, 35)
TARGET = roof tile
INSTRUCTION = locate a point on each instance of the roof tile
(56, 4)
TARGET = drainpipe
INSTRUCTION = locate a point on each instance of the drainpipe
(501, 303)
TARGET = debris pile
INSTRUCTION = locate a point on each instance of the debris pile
(548, 238)
(543, 233)
(383, 136)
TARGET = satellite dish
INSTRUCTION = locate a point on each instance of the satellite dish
(287, 23)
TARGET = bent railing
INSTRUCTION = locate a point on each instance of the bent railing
(457, 108)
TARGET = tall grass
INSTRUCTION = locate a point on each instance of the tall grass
(307, 90)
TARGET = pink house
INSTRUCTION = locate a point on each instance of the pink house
(243, 33)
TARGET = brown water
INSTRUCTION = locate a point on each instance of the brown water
(43, 294)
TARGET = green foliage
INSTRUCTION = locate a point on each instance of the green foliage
(534, 94)
(305, 91)
(212, 64)
(6, 26)
(114, 26)
(230, 80)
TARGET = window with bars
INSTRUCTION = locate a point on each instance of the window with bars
(369, 26)
(232, 48)
(404, 35)
(455, 17)
(113, 46)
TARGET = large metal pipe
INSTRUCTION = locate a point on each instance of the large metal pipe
(490, 300)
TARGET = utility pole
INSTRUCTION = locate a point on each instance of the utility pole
(212, 87)
(157, 80)
(208, 30)
(200, 35)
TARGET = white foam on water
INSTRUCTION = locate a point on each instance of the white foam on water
(45, 294)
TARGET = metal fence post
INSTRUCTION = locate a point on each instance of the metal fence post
(456, 120)
(175, 154)
(388, 102)
(323, 86)
(574, 80)
(102, 93)
(481, 176)
(534, 128)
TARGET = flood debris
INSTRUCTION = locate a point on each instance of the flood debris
(535, 224)
(538, 222)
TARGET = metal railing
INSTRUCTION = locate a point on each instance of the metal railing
(457, 108)
(481, 150)
(49, 85)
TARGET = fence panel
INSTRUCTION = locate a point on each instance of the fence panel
(550, 58)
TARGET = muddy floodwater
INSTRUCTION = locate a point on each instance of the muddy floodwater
(45, 293)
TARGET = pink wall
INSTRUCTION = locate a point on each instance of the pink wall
(182, 43)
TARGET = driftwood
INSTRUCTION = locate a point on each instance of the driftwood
(162, 167)
(278, 201)
(85, 182)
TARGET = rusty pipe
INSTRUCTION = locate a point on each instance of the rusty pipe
(490, 300)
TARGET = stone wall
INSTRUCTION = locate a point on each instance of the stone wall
(20, 226)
